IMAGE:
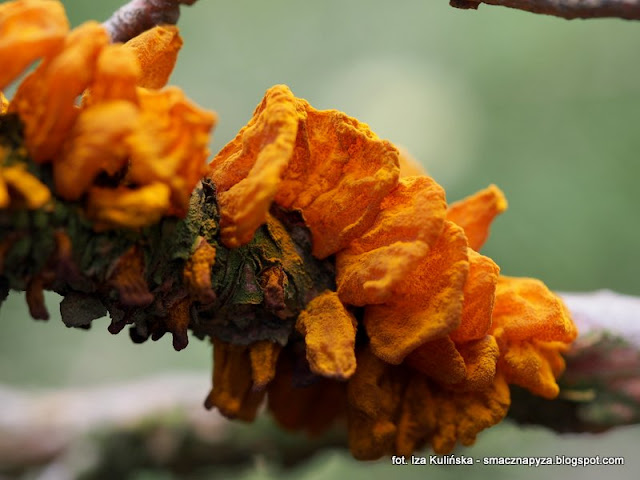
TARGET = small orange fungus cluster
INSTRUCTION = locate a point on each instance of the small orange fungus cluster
(422, 336)
(95, 111)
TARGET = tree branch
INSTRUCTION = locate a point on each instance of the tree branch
(600, 388)
(170, 430)
(152, 280)
(138, 16)
(568, 9)
(605, 311)
(153, 423)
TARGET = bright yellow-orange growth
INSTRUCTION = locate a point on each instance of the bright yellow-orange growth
(410, 220)
(18, 180)
(115, 78)
(152, 144)
(330, 335)
(441, 334)
(479, 293)
(96, 143)
(427, 304)
(29, 30)
(197, 271)
(338, 176)
(476, 212)
(374, 395)
(440, 360)
(461, 416)
(123, 207)
(327, 165)
(173, 146)
(480, 359)
(442, 341)
(46, 99)
(533, 328)
(232, 391)
(440, 417)
(247, 171)
(263, 356)
(157, 51)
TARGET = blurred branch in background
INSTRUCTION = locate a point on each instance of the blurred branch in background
(600, 388)
(569, 9)
(109, 431)
(114, 430)
(137, 16)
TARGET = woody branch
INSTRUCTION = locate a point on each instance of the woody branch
(568, 9)
(137, 16)
(602, 376)
(600, 388)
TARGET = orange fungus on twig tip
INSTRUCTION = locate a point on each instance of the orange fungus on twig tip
(157, 51)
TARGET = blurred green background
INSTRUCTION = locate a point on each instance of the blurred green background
(546, 109)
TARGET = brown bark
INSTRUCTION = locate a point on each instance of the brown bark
(138, 16)
(568, 9)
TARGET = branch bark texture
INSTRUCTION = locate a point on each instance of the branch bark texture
(138, 16)
(568, 9)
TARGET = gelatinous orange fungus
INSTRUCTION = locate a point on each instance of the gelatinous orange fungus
(422, 331)
(85, 111)
(414, 337)
(327, 165)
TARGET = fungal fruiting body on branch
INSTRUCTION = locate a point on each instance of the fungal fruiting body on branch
(421, 335)
(332, 278)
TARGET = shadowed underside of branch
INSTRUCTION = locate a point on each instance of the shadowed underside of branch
(569, 9)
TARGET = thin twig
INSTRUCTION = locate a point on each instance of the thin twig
(139, 15)
(568, 9)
